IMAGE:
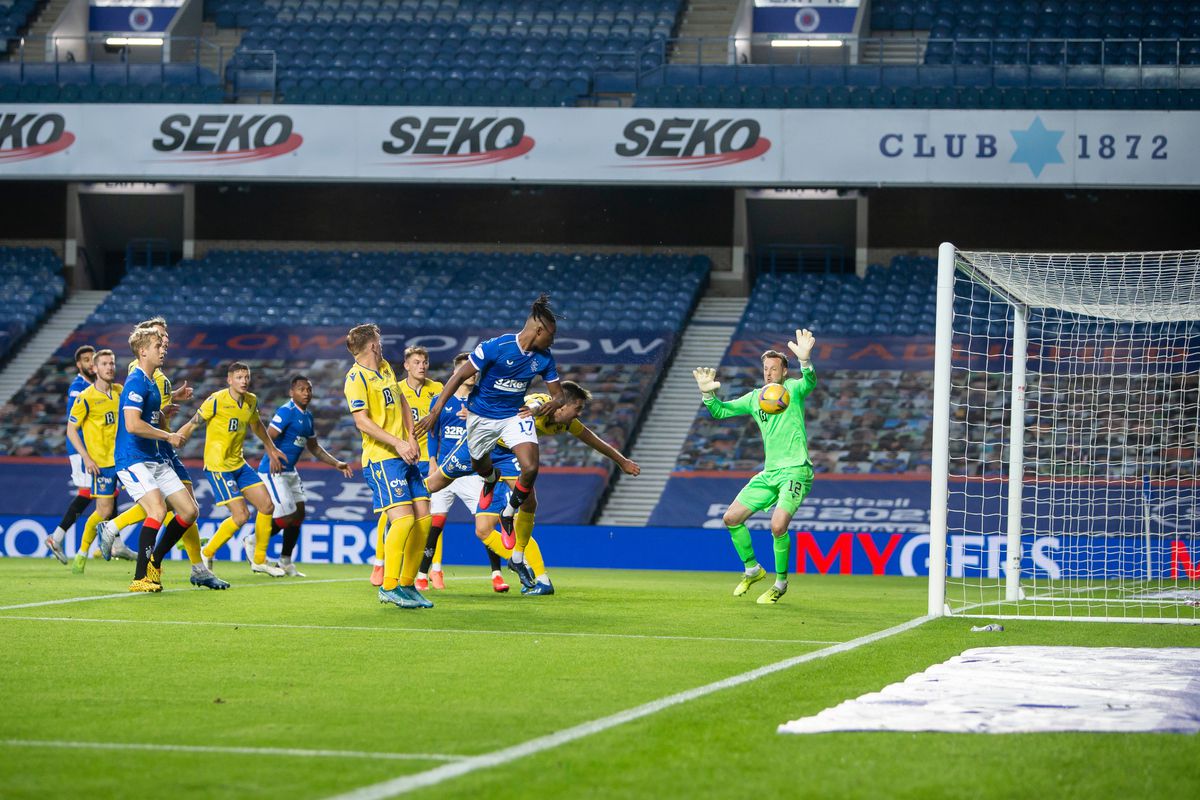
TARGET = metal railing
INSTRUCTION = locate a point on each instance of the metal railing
(774, 259)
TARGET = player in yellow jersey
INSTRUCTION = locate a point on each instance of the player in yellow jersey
(419, 391)
(227, 415)
(564, 419)
(171, 397)
(92, 431)
(389, 462)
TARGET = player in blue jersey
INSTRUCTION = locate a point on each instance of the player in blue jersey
(444, 443)
(293, 432)
(143, 466)
(506, 365)
(84, 377)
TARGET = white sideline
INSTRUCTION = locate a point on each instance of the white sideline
(432, 777)
(248, 751)
(371, 629)
(118, 595)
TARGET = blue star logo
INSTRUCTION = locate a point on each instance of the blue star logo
(1037, 147)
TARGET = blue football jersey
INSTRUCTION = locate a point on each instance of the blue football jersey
(505, 372)
(140, 393)
(295, 428)
(78, 385)
(448, 430)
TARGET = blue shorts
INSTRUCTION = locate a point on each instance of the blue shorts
(457, 463)
(394, 482)
(505, 460)
(228, 486)
(499, 500)
(176, 463)
(105, 484)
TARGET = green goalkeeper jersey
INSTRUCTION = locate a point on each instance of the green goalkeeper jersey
(784, 437)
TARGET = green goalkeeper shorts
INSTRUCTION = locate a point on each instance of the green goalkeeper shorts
(786, 487)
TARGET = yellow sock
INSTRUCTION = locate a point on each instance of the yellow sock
(533, 557)
(89, 532)
(224, 533)
(523, 528)
(262, 537)
(191, 543)
(130, 516)
(414, 549)
(492, 542)
(393, 549)
(381, 529)
(437, 551)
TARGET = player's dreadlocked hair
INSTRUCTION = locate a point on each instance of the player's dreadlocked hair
(542, 312)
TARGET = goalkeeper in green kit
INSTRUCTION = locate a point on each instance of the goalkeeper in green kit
(787, 475)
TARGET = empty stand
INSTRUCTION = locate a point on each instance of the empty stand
(31, 284)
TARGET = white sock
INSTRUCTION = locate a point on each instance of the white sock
(518, 557)
(752, 571)
(435, 567)
(422, 576)
(544, 578)
(378, 562)
(285, 561)
(780, 585)
(58, 536)
(495, 573)
(495, 476)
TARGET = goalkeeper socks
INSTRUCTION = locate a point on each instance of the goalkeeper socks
(740, 535)
(146, 537)
(783, 547)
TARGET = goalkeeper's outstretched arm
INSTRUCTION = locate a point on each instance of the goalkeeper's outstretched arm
(706, 379)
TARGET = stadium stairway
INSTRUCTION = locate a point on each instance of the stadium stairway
(708, 20)
(49, 337)
(656, 449)
(39, 30)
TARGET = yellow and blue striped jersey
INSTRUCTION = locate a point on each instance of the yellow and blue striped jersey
(377, 393)
(228, 420)
(95, 414)
(420, 401)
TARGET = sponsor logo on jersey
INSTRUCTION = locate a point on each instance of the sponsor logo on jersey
(27, 136)
(227, 137)
(699, 143)
(510, 385)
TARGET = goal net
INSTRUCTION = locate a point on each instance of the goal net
(1066, 483)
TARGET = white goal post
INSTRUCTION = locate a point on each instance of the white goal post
(1066, 436)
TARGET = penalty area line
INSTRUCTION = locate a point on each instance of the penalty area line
(119, 595)
(507, 755)
(246, 751)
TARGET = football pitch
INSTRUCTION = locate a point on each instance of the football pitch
(624, 684)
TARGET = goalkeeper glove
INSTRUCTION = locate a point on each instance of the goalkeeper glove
(706, 379)
(803, 346)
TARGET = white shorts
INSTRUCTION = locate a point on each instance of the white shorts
(466, 488)
(144, 477)
(483, 433)
(79, 475)
(286, 490)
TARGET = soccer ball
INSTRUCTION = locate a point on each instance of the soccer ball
(773, 398)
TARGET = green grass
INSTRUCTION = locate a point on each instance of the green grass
(305, 664)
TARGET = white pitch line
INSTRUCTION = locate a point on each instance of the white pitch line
(371, 629)
(508, 755)
(248, 751)
(119, 595)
